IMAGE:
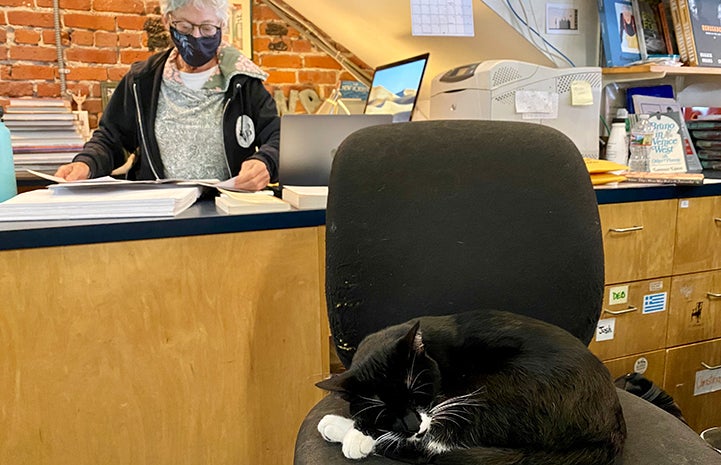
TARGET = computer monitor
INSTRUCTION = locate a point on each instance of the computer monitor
(395, 86)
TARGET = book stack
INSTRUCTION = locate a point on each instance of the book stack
(706, 136)
(45, 133)
(240, 203)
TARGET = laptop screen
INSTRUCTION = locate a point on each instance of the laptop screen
(395, 86)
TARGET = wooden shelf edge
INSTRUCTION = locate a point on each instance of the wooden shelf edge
(661, 69)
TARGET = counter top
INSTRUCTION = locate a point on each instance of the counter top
(202, 218)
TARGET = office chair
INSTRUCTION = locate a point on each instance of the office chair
(436, 217)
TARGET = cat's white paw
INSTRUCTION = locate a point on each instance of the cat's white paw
(357, 445)
(334, 427)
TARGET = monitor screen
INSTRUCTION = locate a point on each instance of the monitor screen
(395, 87)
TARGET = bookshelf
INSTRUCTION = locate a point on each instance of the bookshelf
(651, 71)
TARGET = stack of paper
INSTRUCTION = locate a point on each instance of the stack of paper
(306, 197)
(236, 203)
(99, 202)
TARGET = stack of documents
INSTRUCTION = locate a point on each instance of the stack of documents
(306, 197)
(99, 202)
(236, 203)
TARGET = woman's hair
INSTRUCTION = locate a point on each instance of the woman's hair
(220, 6)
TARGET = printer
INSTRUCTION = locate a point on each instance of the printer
(567, 99)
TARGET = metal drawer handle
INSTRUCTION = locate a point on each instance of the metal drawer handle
(714, 295)
(717, 220)
(709, 367)
(621, 312)
(631, 229)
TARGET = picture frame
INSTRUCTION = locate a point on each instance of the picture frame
(561, 18)
(106, 91)
(240, 26)
(618, 33)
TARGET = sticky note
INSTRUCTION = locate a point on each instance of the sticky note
(581, 93)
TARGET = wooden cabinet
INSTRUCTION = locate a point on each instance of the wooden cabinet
(698, 235)
(638, 239)
(688, 374)
(662, 305)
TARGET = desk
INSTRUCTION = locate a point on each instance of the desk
(191, 340)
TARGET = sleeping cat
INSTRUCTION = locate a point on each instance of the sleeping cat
(481, 387)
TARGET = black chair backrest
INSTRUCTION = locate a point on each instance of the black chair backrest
(439, 217)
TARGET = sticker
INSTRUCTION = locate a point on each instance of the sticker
(683, 204)
(618, 295)
(707, 381)
(653, 303)
(640, 365)
(655, 286)
(605, 329)
(244, 131)
(581, 93)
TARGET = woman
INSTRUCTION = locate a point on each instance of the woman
(196, 111)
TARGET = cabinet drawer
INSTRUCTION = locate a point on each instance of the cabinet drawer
(651, 365)
(683, 365)
(638, 239)
(633, 319)
(698, 235)
(695, 308)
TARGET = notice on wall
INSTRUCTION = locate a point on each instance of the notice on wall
(442, 18)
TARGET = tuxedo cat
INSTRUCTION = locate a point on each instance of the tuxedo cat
(481, 387)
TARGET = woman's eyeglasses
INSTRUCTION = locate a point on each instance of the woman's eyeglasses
(206, 30)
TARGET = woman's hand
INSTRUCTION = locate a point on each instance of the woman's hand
(253, 176)
(73, 171)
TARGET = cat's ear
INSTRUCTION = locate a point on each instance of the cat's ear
(414, 339)
(337, 383)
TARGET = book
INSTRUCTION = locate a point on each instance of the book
(704, 26)
(239, 203)
(618, 32)
(666, 178)
(685, 16)
(664, 19)
(678, 29)
(651, 41)
(101, 202)
(668, 153)
(306, 197)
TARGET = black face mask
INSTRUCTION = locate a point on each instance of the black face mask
(196, 51)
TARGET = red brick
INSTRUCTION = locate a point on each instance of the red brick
(116, 73)
(82, 5)
(29, 72)
(152, 7)
(24, 3)
(260, 43)
(263, 13)
(280, 77)
(16, 89)
(106, 39)
(302, 46)
(3, 35)
(131, 56)
(4, 73)
(320, 61)
(91, 55)
(93, 105)
(81, 37)
(30, 18)
(33, 53)
(120, 6)
(3, 53)
(78, 73)
(281, 60)
(317, 77)
(25, 36)
(131, 39)
(89, 21)
(48, 89)
(134, 23)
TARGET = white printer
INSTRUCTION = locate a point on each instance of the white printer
(567, 99)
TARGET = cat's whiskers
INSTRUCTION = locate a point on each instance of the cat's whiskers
(370, 407)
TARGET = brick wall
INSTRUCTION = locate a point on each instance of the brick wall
(101, 38)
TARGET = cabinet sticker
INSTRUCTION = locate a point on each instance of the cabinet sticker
(618, 295)
(605, 329)
(654, 302)
(707, 381)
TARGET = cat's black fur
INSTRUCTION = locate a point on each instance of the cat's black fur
(500, 388)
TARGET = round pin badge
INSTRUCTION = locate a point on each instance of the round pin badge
(244, 131)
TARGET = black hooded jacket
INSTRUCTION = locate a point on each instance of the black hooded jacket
(128, 123)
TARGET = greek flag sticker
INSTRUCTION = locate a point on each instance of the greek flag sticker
(654, 302)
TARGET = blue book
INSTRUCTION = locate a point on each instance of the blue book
(618, 32)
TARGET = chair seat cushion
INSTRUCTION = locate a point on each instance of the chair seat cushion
(655, 437)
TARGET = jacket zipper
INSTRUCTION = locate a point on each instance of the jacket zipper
(142, 133)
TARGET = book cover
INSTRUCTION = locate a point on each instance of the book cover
(618, 32)
(648, 25)
(704, 18)
(668, 154)
(664, 19)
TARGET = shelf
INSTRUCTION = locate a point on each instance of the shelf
(652, 71)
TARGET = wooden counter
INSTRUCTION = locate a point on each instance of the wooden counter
(194, 345)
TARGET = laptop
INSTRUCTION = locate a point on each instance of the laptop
(308, 144)
(395, 86)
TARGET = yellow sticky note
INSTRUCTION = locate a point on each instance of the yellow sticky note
(581, 93)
